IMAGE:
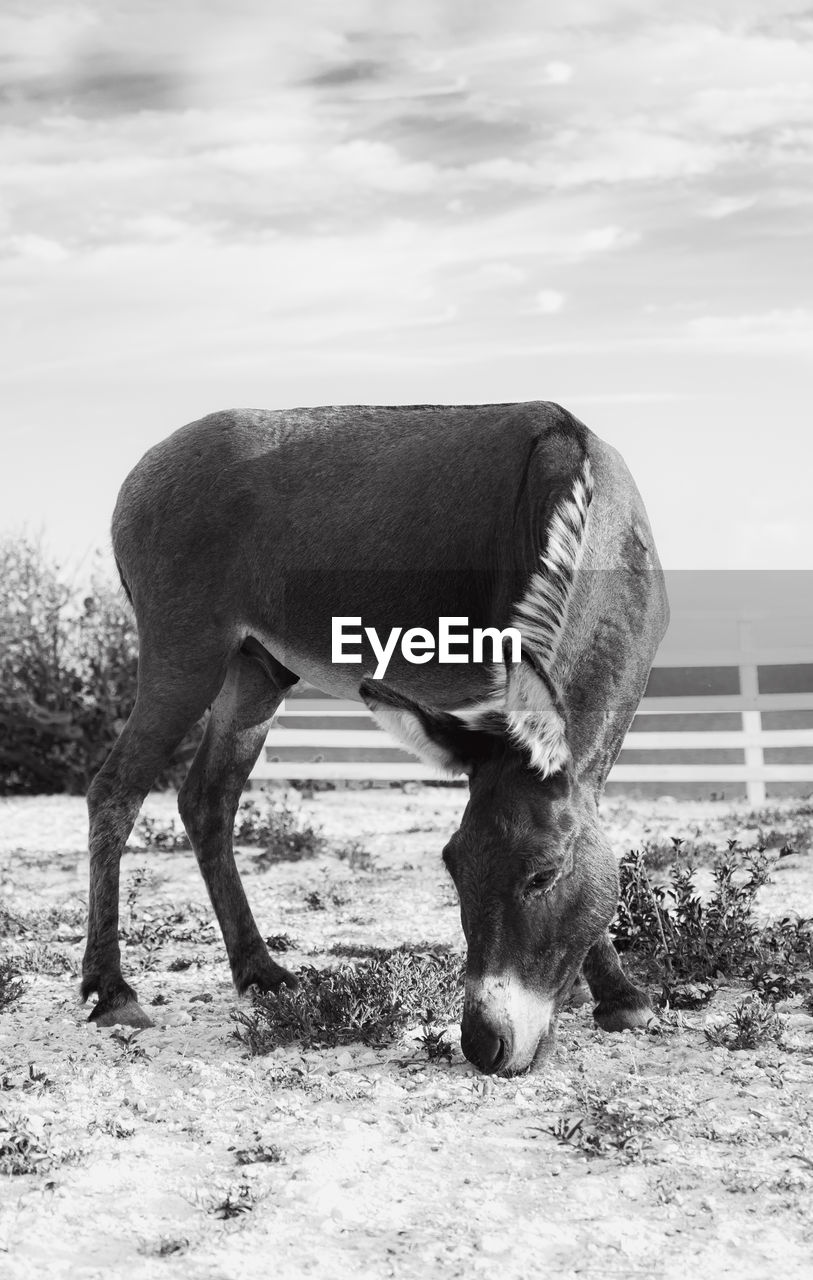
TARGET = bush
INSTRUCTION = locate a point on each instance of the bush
(372, 1002)
(677, 936)
(22, 1149)
(11, 988)
(751, 1023)
(68, 672)
(282, 833)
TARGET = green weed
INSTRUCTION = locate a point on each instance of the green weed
(11, 987)
(370, 1002)
(610, 1124)
(677, 936)
(751, 1023)
(281, 832)
(24, 1150)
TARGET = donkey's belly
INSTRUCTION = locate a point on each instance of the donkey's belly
(434, 684)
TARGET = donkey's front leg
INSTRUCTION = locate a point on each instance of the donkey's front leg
(620, 1004)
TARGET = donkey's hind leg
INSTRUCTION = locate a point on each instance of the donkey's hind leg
(251, 693)
(169, 701)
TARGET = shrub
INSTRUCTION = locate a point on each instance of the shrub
(259, 1152)
(157, 833)
(750, 1024)
(617, 1123)
(68, 669)
(22, 1149)
(11, 987)
(280, 831)
(370, 1002)
(677, 936)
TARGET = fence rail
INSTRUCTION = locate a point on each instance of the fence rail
(304, 744)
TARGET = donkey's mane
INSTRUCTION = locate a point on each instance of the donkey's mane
(542, 612)
(528, 707)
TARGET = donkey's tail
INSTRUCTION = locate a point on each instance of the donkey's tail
(123, 580)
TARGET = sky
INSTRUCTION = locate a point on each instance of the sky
(605, 203)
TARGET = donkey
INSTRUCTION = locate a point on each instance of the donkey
(240, 537)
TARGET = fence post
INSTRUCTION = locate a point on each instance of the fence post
(751, 719)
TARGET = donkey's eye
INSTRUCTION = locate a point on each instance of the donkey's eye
(540, 883)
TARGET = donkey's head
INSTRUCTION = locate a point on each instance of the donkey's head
(537, 881)
(537, 885)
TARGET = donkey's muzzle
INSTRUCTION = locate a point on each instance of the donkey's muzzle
(485, 1046)
(504, 1022)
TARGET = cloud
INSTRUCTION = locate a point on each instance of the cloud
(548, 302)
(779, 329)
(493, 275)
(732, 112)
(347, 73)
(380, 166)
(631, 152)
(455, 132)
(557, 73)
(727, 206)
(38, 248)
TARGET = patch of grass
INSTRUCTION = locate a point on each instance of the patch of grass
(41, 958)
(610, 1124)
(751, 1023)
(23, 1149)
(260, 1152)
(43, 923)
(660, 855)
(279, 830)
(113, 1126)
(434, 1043)
(357, 857)
(367, 951)
(774, 813)
(235, 1202)
(281, 942)
(152, 929)
(783, 964)
(690, 995)
(161, 833)
(11, 987)
(788, 842)
(164, 1247)
(38, 1081)
(11, 925)
(321, 900)
(127, 1038)
(678, 937)
(370, 1002)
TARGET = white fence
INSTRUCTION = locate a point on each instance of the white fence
(720, 667)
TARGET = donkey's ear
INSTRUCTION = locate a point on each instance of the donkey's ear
(439, 739)
(535, 716)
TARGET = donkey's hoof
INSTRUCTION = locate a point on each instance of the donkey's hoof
(624, 1017)
(579, 994)
(129, 1014)
(268, 976)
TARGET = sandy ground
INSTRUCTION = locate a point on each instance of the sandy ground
(389, 1165)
